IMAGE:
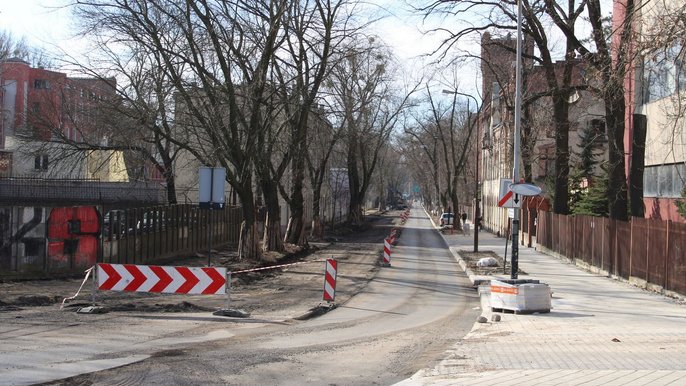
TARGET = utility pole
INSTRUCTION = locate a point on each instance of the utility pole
(517, 145)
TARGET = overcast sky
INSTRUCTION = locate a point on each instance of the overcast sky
(44, 24)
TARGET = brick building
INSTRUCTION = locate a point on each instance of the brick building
(42, 109)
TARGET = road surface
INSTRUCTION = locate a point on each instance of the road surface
(401, 322)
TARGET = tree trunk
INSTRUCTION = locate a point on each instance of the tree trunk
(561, 118)
(171, 189)
(617, 189)
(355, 216)
(248, 247)
(638, 165)
(354, 186)
(272, 240)
(528, 145)
(248, 244)
(296, 222)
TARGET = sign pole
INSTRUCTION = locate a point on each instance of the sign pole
(211, 197)
(209, 223)
(517, 140)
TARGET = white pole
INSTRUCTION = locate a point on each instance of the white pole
(517, 139)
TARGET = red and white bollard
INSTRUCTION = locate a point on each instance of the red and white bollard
(330, 280)
(386, 253)
(394, 236)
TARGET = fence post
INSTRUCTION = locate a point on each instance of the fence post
(647, 247)
(631, 248)
(669, 229)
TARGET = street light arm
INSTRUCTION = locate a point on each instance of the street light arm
(477, 212)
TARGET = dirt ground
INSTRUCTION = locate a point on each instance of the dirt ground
(471, 259)
(276, 293)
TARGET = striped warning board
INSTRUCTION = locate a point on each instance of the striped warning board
(509, 290)
(330, 280)
(153, 278)
(506, 198)
(387, 252)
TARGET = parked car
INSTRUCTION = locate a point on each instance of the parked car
(447, 218)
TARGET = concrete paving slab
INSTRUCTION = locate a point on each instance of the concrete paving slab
(600, 331)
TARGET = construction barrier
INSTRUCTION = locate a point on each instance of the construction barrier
(183, 280)
(330, 280)
(387, 252)
(155, 278)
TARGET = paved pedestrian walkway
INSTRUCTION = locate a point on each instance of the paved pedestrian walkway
(599, 332)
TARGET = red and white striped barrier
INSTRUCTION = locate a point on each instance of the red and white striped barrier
(154, 278)
(393, 236)
(330, 280)
(387, 252)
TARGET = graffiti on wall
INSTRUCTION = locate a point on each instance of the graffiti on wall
(73, 237)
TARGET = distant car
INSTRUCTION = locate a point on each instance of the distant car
(447, 218)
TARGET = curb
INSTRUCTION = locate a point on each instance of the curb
(475, 279)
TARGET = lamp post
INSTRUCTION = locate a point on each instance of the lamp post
(517, 142)
(477, 210)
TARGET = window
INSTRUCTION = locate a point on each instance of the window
(664, 73)
(546, 161)
(36, 108)
(664, 180)
(596, 131)
(41, 84)
(41, 162)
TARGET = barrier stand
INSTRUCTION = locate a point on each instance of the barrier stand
(228, 311)
(228, 290)
(94, 287)
(92, 309)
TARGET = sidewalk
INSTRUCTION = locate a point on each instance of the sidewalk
(599, 332)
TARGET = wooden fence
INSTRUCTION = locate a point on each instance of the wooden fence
(43, 242)
(147, 235)
(651, 251)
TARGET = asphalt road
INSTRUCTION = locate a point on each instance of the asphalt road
(402, 321)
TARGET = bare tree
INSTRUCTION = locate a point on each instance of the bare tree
(423, 142)
(315, 30)
(17, 47)
(323, 139)
(611, 62)
(370, 107)
(502, 16)
(226, 49)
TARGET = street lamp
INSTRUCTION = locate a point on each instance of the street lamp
(517, 142)
(476, 175)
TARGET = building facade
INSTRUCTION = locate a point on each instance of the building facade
(586, 131)
(655, 102)
(44, 110)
